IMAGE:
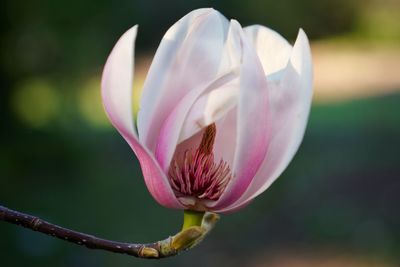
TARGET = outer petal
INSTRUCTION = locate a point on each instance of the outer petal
(252, 123)
(117, 98)
(290, 106)
(187, 59)
(272, 49)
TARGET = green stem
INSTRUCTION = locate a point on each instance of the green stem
(192, 218)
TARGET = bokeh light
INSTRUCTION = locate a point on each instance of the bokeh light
(36, 102)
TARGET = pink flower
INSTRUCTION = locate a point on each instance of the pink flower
(223, 109)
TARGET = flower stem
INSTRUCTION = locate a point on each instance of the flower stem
(191, 234)
(192, 218)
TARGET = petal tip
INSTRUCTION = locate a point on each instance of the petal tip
(235, 23)
(302, 36)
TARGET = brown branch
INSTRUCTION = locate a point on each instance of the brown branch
(165, 248)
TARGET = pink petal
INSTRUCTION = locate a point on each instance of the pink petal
(117, 98)
(290, 106)
(252, 123)
(187, 59)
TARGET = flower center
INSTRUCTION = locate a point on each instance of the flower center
(196, 174)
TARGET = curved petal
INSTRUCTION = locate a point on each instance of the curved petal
(217, 106)
(117, 99)
(252, 123)
(117, 82)
(170, 132)
(187, 59)
(290, 106)
(272, 49)
(209, 108)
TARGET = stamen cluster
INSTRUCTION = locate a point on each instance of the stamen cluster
(199, 176)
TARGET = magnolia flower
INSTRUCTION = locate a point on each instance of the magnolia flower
(222, 113)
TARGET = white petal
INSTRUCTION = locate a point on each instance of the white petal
(252, 122)
(209, 108)
(187, 59)
(117, 83)
(272, 49)
(290, 106)
(219, 105)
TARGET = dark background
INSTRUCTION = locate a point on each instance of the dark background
(60, 159)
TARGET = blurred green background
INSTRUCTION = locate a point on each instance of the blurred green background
(336, 205)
